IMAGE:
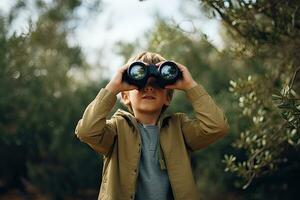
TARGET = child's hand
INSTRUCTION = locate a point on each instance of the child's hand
(186, 82)
(116, 84)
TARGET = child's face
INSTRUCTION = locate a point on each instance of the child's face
(149, 99)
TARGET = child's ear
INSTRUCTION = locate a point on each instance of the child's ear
(125, 98)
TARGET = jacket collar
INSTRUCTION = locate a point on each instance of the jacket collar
(162, 120)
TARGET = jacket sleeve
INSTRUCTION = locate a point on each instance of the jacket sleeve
(209, 124)
(93, 128)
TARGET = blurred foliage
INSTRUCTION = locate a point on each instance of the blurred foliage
(255, 80)
(268, 30)
(40, 104)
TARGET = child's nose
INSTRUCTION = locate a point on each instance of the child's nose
(148, 88)
(150, 84)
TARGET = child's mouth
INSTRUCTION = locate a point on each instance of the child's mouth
(148, 97)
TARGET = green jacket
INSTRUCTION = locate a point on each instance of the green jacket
(119, 141)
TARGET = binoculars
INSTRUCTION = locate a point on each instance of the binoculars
(138, 73)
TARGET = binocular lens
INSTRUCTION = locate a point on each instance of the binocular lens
(138, 72)
(169, 72)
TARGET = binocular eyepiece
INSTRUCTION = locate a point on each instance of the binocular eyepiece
(138, 73)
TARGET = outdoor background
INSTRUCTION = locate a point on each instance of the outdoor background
(55, 55)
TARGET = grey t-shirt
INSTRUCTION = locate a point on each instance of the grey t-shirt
(153, 183)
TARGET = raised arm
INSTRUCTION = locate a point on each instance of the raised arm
(94, 129)
(210, 122)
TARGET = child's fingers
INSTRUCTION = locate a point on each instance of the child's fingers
(123, 68)
(184, 70)
(120, 72)
(172, 86)
(159, 63)
(130, 87)
(180, 66)
(127, 86)
(133, 87)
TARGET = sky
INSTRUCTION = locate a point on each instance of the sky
(128, 20)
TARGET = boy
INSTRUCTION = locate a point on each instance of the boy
(146, 152)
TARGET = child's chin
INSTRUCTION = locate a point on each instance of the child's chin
(150, 109)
